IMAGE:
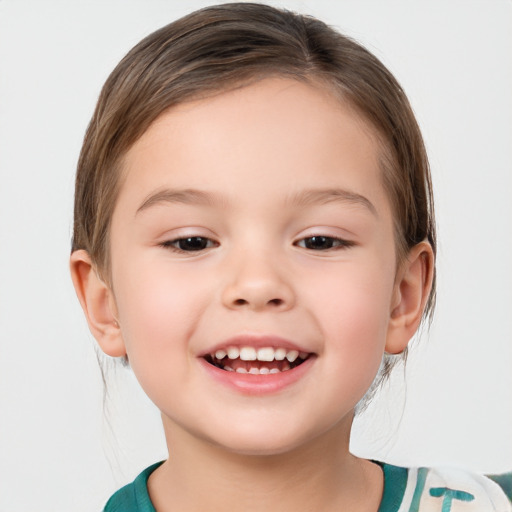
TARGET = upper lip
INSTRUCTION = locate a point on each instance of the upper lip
(256, 341)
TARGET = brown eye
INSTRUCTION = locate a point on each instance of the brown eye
(190, 244)
(319, 243)
(323, 243)
(194, 243)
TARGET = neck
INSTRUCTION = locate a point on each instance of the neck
(320, 476)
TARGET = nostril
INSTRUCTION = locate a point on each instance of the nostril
(271, 302)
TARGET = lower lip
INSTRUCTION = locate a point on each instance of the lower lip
(250, 384)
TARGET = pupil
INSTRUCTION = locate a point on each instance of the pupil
(193, 243)
(319, 242)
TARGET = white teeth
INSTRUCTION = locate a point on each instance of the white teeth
(220, 354)
(248, 354)
(258, 371)
(292, 355)
(265, 354)
(279, 354)
(233, 352)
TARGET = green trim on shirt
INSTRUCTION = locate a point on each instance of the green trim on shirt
(133, 497)
(395, 481)
(505, 482)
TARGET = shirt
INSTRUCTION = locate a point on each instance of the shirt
(405, 490)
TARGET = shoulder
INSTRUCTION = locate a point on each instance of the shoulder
(133, 497)
(443, 490)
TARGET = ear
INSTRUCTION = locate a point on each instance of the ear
(411, 291)
(98, 303)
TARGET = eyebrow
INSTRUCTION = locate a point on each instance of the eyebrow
(183, 196)
(301, 199)
(325, 196)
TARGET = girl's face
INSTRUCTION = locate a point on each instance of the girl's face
(255, 224)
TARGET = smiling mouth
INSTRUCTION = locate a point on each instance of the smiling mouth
(256, 361)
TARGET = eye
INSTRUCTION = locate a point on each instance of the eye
(323, 243)
(190, 244)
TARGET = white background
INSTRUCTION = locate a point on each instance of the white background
(59, 450)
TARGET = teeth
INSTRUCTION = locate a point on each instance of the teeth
(265, 354)
(292, 355)
(269, 354)
(279, 354)
(233, 352)
(220, 354)
(258, 371)
(261, 371)
(248, 354)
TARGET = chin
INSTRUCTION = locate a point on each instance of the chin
(261, 449)
(265, 442)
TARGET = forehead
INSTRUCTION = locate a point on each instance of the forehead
(274, 134)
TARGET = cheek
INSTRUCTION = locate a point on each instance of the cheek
(353, 309)
(358, 324)
(356, 295)
(156, 309)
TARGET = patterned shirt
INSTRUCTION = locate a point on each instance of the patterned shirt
(405, 490)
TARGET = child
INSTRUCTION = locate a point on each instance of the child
(254, 233)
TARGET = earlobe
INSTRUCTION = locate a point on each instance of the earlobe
(98, 304)
(412, 288)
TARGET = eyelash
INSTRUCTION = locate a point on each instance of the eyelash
(206, 243)
(335, 243)
(174, 245)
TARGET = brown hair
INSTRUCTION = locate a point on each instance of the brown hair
(228, 46)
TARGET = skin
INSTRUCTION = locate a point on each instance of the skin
(259, 157)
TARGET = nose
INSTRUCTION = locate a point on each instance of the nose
(257, 283)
